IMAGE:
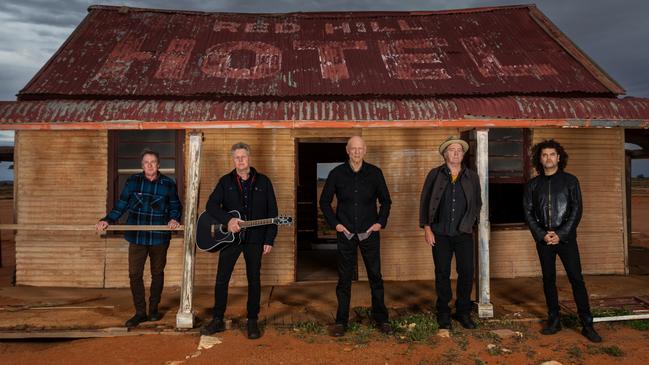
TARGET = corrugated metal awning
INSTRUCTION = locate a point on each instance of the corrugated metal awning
(460, 112)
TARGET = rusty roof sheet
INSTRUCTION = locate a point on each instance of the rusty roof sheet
(119, 52)
(499, 111)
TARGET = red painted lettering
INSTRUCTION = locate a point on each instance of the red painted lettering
(330, 28)
(490, 66)
(402, 63)
(258, 27)
(377, 28)
(175, 58)
(403, 25)
(266, 60)
(121, 58)
(286, 28)
(231, 27)
(332, 58)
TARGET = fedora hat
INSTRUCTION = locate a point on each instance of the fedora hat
(449, 141)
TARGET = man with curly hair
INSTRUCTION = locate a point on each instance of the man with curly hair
(553, 209)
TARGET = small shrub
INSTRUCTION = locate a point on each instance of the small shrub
(416, 327)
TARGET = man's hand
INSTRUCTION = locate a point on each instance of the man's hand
(551, 238)
(267, 249)
(374, 228)
(233, 225)
(429, 236)
(341, 228)
(173, 224)
(554, 238)
(101, 226)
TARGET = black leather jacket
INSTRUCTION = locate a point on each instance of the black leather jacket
(553, 203)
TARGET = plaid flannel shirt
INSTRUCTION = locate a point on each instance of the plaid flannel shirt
(148, 203)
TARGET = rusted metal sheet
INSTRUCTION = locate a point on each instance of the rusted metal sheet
(465, 112)
(126, 53)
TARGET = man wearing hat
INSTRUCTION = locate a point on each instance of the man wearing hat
(448, 209)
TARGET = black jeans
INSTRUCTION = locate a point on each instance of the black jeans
(569, 254)
(445, 246)
(347, 257)
(137, 255)
(228, 257)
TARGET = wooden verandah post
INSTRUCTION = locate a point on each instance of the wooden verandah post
(485, 308)
(185, 316)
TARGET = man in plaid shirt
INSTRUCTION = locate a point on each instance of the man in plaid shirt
(150, 199)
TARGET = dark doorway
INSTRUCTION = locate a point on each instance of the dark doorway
(316, 242)
(637, 200)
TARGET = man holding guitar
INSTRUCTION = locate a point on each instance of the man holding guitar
(251, 194)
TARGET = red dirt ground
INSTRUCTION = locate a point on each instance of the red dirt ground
(623, 345)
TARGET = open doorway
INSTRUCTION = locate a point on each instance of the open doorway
(316, 241)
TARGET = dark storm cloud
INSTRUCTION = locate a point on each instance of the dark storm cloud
(613, 33)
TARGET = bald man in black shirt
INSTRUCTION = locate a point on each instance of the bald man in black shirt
(357, 186)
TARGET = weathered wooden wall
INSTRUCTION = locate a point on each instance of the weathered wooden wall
(273, 154)
(54, 186)
(405, 156)
(7, 243)
(60, 178)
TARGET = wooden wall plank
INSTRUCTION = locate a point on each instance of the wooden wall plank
(61, 180)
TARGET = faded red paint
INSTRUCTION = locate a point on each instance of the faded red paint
(264, 60)
(332, 57)
(413, 59)
(174, 61)
(122, 57)
(490, 66)
(153, 53)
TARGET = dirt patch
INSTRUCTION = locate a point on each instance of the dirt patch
(363, 345)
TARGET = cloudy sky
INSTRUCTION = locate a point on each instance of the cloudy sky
(614, 33)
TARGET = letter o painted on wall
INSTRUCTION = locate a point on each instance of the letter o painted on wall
(219, 60)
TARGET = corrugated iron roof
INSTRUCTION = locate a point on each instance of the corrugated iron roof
(495, 111)
(119, 52)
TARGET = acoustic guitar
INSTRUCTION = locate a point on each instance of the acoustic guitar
(213, 236)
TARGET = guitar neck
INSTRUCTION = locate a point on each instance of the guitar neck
(256, 222)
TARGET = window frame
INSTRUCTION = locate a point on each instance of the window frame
(113, 175)
(518, 180)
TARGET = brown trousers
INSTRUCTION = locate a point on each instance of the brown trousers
(137, 255)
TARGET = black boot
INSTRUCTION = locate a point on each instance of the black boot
(154, 315)
(216, 325)
(444, 321)
(466, 321)
(253, 329)
(338, 330)
(136, 320)
(553, 324)
(590, 333)
(588, 330)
